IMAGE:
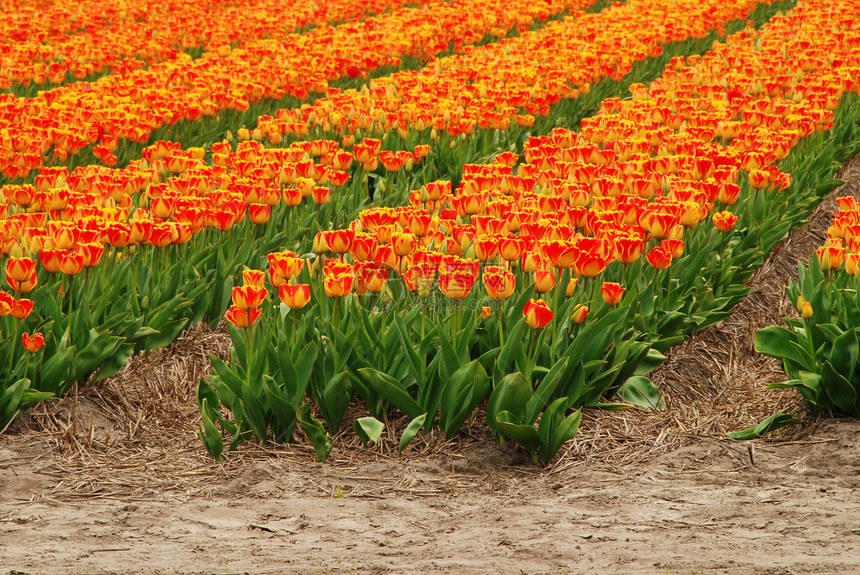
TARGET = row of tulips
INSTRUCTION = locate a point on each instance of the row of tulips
(44, 46)
(819, 351)
(103, 200)
(493, 95)
(650, 177)
(187, 97)
(85, 247)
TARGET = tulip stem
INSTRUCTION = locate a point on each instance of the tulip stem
(501, 331)
(12, 347)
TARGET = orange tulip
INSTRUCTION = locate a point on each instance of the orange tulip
(295, 296)
(255, 278)
(242, 318)
(588, 264)
(338, 285)
(544, 280)
(34, 343)
(404, 243)
(830, 257)
(579, 313)
(72, 263)
(628, 249)
(259, 213)
(248, 296)
(456, 284)
(51, 259)
(659, 257)
(724, 221)
(20, 269)
(499, 283)
(537, 313)
(611, 292)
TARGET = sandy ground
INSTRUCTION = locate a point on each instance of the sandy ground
(704, 508)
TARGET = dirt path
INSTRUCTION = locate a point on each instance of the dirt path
(704, 508)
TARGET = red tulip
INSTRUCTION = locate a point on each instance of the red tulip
(537, 313)
(34, 343)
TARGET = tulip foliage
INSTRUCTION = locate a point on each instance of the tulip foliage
(820, 351)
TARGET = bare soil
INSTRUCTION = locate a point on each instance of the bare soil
(704, 508)
(113, 480)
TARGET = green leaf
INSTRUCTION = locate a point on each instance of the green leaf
(545, 391)
(555, 429)
(838, 389)
(391, 390)
(843, 356)
(315, 432)
(775, 341)
(209, 435)
(284, 412)
(411, 431)
(254, 414)
(652, 360)
(116, 362)
(54, 374)
(466, 388)
(639, 391)
(368, 429)
(526, 435)
(770, 423)
(167, 333)
(336, 397)
(10, 401)
(511, 394)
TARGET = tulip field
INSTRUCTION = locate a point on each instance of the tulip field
(438, 210)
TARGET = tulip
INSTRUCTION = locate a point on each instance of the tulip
(372, 278)
(51, 259)
(20, 269)
(34, 343)
(830, 257)
(804, 307)
(255, 278)
(611, 292)
(248, 296)
(404, 243)
(544, 280)
(579, 313)
(628, 249)
(456, 284)
(852, 264)
(674, 247)
(72, 263)
(338, 285)
(242, 318)
(659, 257)
(499, 283)
(588, 264)
(419, 278)
(571, 286)
(259, 213)
(724, 221)
(295, 296)
(485, 311)
(537, 313)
